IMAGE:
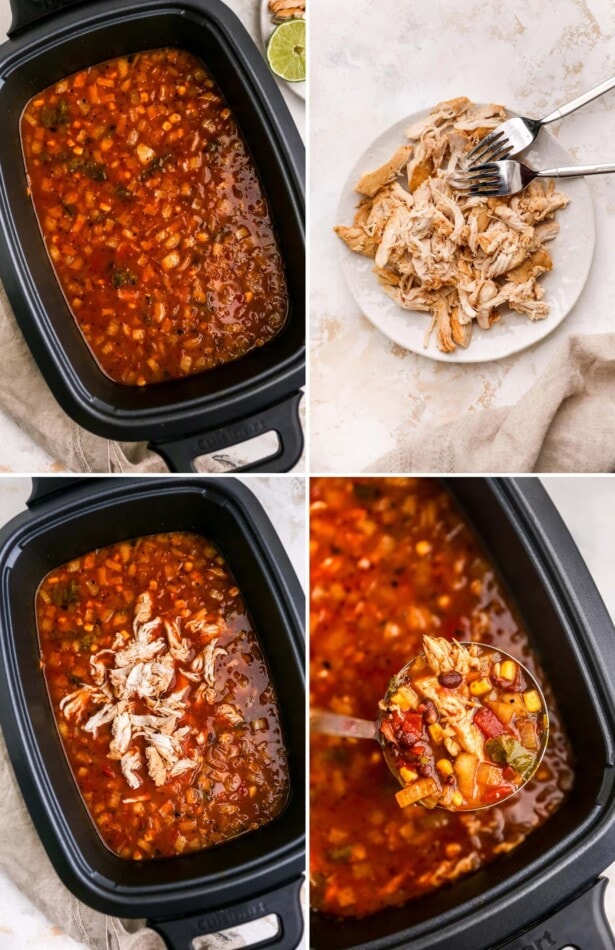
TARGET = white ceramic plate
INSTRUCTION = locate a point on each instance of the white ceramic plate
(572, 252)
(267, 28)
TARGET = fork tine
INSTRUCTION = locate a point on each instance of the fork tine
(484, 145)
(489, 187)
(475, 178)
(500, 152)
(488, 154)
(480, 171)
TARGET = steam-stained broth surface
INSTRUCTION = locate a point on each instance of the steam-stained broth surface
(161, 695)
(154, 217)
(391, 560)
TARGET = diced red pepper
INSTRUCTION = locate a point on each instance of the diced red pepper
(412, 726)
(489, 724)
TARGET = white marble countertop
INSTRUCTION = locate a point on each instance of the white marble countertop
(373, 64)
(19, 452)
(22, 926)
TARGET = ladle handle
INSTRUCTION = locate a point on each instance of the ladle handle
(347, 726)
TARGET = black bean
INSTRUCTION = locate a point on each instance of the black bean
(450, 680)
(430, 713)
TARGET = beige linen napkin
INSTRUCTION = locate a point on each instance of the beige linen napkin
(25, 396)
(564, 423)
(21, 851)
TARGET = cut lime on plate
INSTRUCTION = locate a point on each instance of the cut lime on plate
(286, 51)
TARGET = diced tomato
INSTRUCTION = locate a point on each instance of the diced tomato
(413, 723)
(496, 793)
(489, 724)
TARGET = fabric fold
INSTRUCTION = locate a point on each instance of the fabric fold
(564, 423)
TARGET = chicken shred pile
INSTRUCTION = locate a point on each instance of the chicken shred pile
(144, 668)
(287, 9)
(455, 711)
(459, 258)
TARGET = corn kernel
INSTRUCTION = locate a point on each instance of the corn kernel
(532, 701)
(436, 732)
(508, 670)
(422, 548)
(407, 775)
(480, 687)
(444, 766)
(457, 799)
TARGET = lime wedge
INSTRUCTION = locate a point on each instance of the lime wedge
(286, 51)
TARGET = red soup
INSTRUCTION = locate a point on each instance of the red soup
(393, 559)
(161, 695)
(154, 217)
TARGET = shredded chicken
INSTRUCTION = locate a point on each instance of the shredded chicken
(459, 258)
(205, 627)
(101, 717)
(287, 9)
(140, 672)
(230, 713)
(206, 661)
(75, 704)
(455, 710)
(444, 656)
(122, 734)
(150, 680)
(155, 766)
(180, 648)
(130, 763)
(144, 607)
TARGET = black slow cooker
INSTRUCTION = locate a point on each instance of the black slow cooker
(546, 894)
(185, 418)
(256, 874)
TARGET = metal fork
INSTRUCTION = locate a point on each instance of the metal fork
(513, 136)
(497, 179)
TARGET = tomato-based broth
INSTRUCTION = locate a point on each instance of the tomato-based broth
(154, 217)
(161, 695)
(392, 559)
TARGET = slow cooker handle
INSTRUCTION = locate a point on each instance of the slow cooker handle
(283, 902)
(581, 924)
(282, 418)
(26, 12)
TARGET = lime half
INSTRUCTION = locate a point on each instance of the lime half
(286, 51)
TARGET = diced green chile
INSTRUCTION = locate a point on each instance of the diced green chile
(343, 854)
(55, 115)
(94, 170)
(506, 750)
(63, 596)
(157, 164)
(123, 277)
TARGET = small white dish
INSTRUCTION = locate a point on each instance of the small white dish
(572, 252)
(267, 28)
